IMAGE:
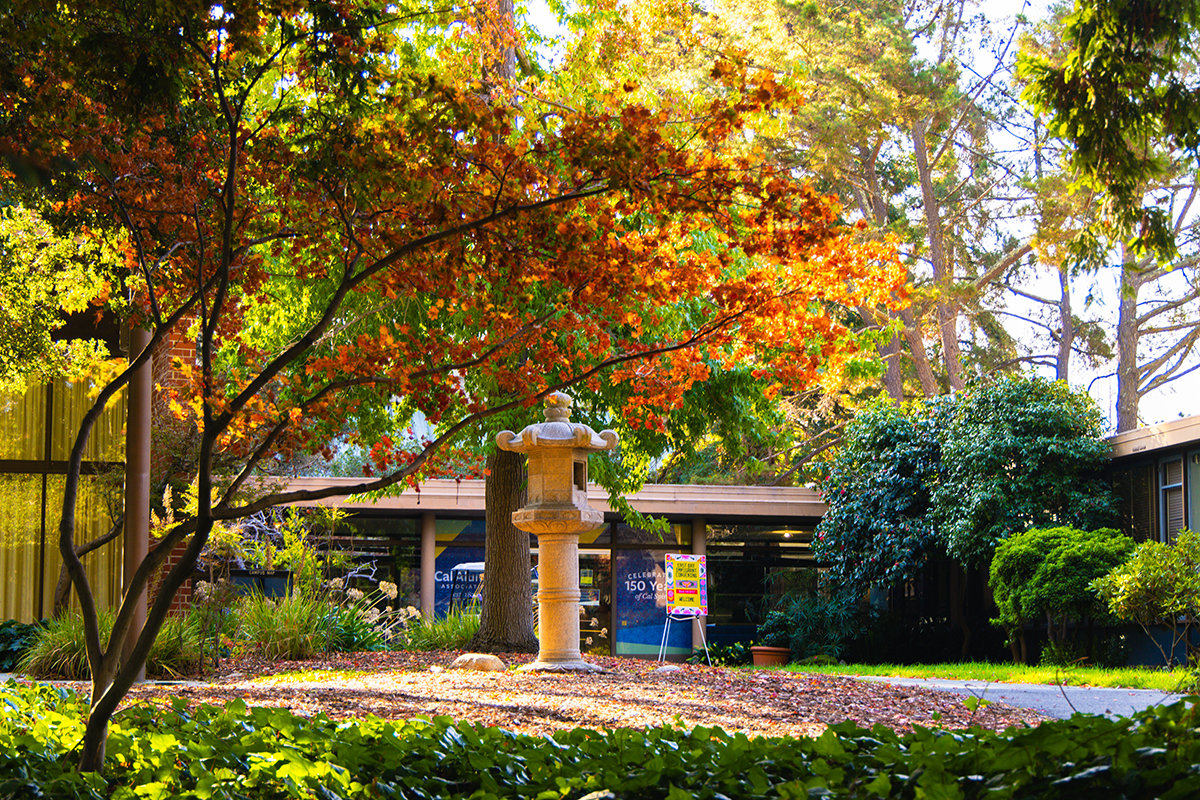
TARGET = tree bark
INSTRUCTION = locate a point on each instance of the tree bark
(1128, 375)
(916, 351)
(62, 589)
(1066, 339)
(889, 352)
(943, 277)
(506, 614)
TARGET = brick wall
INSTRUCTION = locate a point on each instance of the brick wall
(183, 598)
(173, 442)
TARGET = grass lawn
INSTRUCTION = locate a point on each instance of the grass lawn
(1177, 680)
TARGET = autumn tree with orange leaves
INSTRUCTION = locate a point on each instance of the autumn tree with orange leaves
(352, 241)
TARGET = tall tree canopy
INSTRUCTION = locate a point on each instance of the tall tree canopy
(1122, 90)
(354, 242)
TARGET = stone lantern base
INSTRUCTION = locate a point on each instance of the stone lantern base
(558, 597)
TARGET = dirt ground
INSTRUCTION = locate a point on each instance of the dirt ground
(631, 693)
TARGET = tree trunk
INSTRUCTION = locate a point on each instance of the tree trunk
(916, 351)
(1016, 644)
(62, 589)
(506, 615)
(943, 276)
(1128, 375)
(889, 352)
(1066, 339)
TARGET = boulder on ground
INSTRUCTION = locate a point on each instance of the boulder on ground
(480, 662)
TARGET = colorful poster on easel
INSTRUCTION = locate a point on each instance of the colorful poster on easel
(687, 585)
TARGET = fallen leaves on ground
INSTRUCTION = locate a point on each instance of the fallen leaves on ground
(631, 693)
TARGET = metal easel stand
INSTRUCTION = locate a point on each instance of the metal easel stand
(662, 648)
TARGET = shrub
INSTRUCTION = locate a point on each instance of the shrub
(1159, 587)
(176, 650)
(366, 621)
(58, 650)
(15, 638)
(1046, 573)
(723, 655)
(212, 614)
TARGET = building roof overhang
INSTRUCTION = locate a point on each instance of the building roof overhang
(670, 500)
(1169, 435)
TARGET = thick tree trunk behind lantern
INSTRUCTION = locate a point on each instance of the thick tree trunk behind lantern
(506, 616)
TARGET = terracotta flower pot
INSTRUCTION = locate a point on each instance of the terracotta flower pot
(769, 656)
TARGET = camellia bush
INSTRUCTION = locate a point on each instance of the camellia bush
(1046, 574)
(235, 751)
(1159, 588)
(956, 476)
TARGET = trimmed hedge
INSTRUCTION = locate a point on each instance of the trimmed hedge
(239, 752)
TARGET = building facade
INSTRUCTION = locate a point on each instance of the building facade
(756, 539)
(1156, 475)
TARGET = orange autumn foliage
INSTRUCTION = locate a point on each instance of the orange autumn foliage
(483, 257)
(352, 240)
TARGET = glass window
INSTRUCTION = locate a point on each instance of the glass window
(459, 531)
(749, 568)
(676, 535)
(458, 564)
(23, 425)
(595, 598)
(393, 546)
(640, 600)
(29, 550)
(1134, 488)
(97, 509)
(71, 401)
(1170, 488)
(1193, 480)
(20, 542)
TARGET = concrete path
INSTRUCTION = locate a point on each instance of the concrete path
(1052, 701)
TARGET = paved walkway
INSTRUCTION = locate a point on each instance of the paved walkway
(1053, 701)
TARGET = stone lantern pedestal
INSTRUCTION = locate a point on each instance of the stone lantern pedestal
(557, 512)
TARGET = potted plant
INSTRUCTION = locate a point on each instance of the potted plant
(774, 641)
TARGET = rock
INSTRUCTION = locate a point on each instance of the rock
(479, 662)
(668, 668)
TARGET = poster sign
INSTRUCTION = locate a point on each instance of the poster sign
(640, 598)
(687, 585)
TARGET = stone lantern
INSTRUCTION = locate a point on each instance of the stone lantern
(557, 511)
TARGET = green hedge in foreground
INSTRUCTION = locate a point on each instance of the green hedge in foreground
(235, 752)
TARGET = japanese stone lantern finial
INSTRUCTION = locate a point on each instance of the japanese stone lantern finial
(557, 511)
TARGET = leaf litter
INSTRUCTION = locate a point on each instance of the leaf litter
(631, 693)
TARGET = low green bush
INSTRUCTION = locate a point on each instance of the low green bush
(15, 638)
(238, 752)
(1159, 588)
(1046, 574)
(59, 651)
(297, 626)
(723, 655)
(176, 650)
(450, 632)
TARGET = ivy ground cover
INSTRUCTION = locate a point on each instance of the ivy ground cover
(237, 751)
